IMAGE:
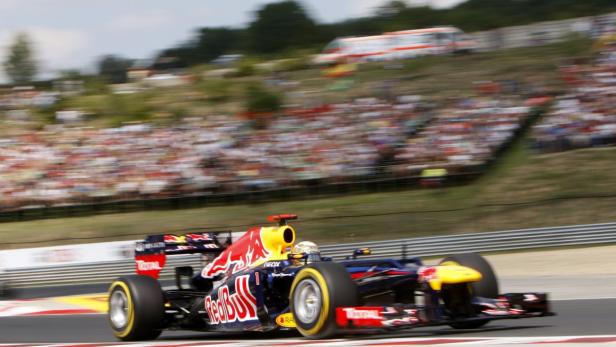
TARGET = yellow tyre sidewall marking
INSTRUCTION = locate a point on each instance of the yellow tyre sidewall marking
(131, 311)
(315, 275)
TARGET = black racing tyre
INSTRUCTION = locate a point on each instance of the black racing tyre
(136, 308)
(317, 290)
(487, 287)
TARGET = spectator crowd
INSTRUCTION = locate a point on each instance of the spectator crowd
(335, 143)
(465, 134)
(585, 116)
(20, 97)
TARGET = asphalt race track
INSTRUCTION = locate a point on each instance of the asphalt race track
(584, 298)
(575, 317)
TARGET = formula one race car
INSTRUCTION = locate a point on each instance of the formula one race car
(264, 281)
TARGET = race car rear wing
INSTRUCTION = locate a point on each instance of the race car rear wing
(151, 253)
(208, 242)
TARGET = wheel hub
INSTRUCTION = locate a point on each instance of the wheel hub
(118, 309)
(307, 301)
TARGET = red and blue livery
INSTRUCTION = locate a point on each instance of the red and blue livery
(265, 281)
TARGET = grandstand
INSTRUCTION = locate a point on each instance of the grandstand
(583, 116)
(338, 143)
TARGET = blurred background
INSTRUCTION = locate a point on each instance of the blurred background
(375, 119)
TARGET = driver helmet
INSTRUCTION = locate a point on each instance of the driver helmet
(309, 248)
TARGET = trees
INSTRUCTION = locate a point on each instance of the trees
(261, 103)
(286, 24)
(261, 100)
(114, 68)
(281, 25)
(213, 42)
(20, 65)
(206, 45)
(390, 9)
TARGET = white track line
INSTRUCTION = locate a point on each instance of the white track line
(576, 299)
(605, 340)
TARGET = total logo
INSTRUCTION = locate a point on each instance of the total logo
(148, 265)
(359, 316)
(227, 308)
(358, 313)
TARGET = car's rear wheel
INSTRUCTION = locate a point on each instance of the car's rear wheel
(316, 292)
(457, 297)
(136, 308)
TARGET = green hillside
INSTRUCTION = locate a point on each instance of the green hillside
(434, 77)
(520, 177)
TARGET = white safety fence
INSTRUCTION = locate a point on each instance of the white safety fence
(76, 264)
(544, 32)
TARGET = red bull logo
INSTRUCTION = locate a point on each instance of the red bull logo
(199, 237)
(174, 239)
(239, 256)
(227, 308)
(427, 273)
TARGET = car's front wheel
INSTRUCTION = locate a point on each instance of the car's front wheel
(136, 308)
(316, 292)
(458, 297)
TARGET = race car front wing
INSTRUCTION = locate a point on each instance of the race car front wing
(506, 306)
